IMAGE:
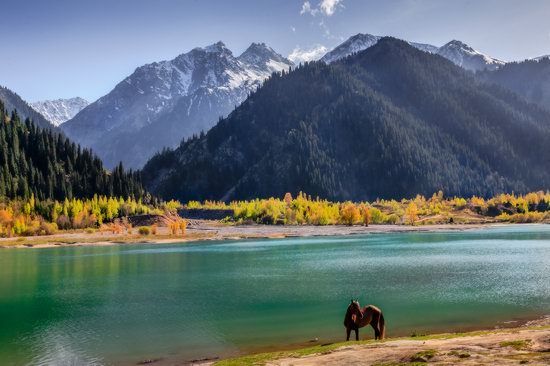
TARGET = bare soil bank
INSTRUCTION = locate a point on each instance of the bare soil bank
(213, 230)
(525, 345)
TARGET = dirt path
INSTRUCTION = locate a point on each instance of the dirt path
(504, 347)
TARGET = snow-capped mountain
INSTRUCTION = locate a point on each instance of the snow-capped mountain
(468, 58)
(60, 110)
(541, 57)
(459, 53)
(360, 42)
(163, 102)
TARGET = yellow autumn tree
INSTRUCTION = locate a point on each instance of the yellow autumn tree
(411, 214)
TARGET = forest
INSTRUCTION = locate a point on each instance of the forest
(45, 164)
(388, 122)
(420, 210)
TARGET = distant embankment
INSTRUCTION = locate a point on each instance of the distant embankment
(205, 214)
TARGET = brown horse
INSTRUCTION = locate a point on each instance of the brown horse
(358, 318)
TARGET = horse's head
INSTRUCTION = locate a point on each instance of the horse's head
(355, 309)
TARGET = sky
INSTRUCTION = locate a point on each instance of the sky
(66, 48)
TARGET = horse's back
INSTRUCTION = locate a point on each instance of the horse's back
(373, 309)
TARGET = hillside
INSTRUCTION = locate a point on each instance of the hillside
(45, 163)
(12, 101)
(390, 121)
(530, 79)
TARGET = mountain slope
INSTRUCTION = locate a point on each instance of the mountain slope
(466, 57)
(45, 163)
(163, 102)
(60, 110)
(459, 53)
(530, 79)
(390, 121)
(12, 101)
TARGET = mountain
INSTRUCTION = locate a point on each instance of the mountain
(12, 101)
(468, 58)
(360, 42)
(45, 163)
(530, 79)
(456, 51)
(163, 102)
(390, 121)
(60, 110)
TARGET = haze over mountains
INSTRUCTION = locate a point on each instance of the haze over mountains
(354, 129)
(60, 110)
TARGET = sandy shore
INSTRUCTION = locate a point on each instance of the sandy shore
(525, 345)
(211, 230)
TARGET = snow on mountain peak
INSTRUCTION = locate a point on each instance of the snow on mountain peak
(456, 51)
(465, 56)
(362, 41)
(60, 110)
(261, 57)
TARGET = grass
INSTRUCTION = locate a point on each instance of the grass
(400, 364)
(517, 344)
(423, 355)
(459, 354)
(263, 358)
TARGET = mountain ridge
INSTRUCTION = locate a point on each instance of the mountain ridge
(456, 51)
(12, 101)
(59, 110)
(162, 102)
(352, 130)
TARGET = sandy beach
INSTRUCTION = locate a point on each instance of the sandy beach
(213, 230)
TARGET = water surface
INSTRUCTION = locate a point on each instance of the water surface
(127, 303)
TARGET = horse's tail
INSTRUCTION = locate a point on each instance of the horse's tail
(382, 326)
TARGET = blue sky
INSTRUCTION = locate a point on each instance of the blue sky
(65, 48)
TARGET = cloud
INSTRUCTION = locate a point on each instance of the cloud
(325, 7)
(329, 6)
(307, 9)
(311, 54)
(293, 29)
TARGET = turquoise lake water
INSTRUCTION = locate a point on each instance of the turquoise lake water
(124, 304)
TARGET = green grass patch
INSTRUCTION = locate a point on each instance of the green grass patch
(423, 356)
(459, 354)
(400, 364)
(517, 344)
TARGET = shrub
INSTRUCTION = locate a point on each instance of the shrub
(144, 230)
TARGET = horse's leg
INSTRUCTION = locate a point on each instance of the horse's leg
(356, 333)
(348, 332)
(374, 324)
(376, 332)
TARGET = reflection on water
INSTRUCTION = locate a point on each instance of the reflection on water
(105, 305)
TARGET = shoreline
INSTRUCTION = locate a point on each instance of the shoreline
(528, 343)
(212, 231)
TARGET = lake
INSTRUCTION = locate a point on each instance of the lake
(123, 304)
